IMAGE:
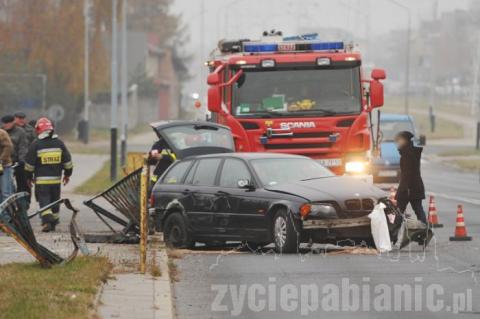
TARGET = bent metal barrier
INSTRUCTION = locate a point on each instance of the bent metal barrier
(124, 196)
(14, 221)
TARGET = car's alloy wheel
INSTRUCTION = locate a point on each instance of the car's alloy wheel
(285, 231)
(176, 233)
(280, 231)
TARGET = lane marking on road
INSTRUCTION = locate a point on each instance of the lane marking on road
(457, 198)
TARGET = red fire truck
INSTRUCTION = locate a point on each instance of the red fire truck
(296, 95)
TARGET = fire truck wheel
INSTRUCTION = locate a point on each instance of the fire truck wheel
(285, 233)
(176, 233)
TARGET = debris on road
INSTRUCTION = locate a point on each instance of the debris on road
(14, 221)
(124, 196)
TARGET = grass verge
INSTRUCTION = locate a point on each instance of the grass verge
(98, 182)
(460, 152)
(467, 164)
(29, 291)
(444, 129)
(421, 103)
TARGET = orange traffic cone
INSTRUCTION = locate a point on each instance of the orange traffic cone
(460, 229)
(432, 214)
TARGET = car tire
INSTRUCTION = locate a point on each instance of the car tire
(176, 233)
(285, 232)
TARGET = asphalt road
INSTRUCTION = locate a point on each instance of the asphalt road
(318, 283)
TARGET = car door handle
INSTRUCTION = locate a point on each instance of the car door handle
(221, 193)
(186, 192)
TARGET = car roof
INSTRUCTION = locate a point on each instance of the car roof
(250, 155)
(391, 117)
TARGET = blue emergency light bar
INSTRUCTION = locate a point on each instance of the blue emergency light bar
(260, 47)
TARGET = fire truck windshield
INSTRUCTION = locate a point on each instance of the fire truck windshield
(297, 92)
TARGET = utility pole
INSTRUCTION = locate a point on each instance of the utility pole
(202, 51)
(407, 63)
(86, 99)
(124, 87)
(475, 92)
(114, 97)
(407, 54)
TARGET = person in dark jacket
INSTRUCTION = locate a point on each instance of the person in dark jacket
(47, 159)
(21, 121)
(162, 157)
(410, 189)
(20, 147)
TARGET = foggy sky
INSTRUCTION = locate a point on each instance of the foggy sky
(248, 18)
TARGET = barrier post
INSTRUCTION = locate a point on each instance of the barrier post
(144, 215)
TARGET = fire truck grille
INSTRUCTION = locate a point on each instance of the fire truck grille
(306, 135)
(295, 146)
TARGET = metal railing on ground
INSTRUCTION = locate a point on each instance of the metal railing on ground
(15, 221)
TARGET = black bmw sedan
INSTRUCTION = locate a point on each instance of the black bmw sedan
(260, 198)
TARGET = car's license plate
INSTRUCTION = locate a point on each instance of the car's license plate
(389, 173)
(330, 162)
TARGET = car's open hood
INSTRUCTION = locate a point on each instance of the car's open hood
(337, 188)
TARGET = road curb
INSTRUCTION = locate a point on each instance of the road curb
(163, 290)
(96, 299)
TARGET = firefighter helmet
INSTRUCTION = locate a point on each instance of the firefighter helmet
(43, 125)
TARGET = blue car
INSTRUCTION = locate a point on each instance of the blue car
(386, 168)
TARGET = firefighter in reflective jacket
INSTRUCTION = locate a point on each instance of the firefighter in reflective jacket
(160, 156)
(46, 159)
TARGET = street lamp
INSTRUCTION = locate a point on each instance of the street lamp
(124, 87)
(407, 57)
(86, 99)
(114, 97)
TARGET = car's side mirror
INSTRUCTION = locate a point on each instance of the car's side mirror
(376, 94)
(214, 99)
(245, 184)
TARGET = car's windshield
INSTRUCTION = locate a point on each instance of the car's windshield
(189, 136)
(303, 92)
(390, 128)
(273, 171)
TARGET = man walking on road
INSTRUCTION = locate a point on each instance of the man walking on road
(46, 160)
(411, 189)
(6, 178)
(20, 148)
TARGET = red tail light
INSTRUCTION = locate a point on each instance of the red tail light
(151, 201)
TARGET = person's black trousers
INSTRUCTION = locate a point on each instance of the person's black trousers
(46, 194)
(416, 206)
(21, 180)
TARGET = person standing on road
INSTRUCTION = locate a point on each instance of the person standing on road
(6, 173)
(21, 121)
(411, 189)
(20, 148)
(46, 160)
(22, 185)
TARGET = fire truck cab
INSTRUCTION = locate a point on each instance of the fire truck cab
(296, 95)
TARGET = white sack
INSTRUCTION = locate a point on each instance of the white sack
(378, 222)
